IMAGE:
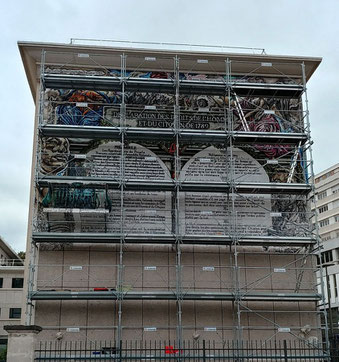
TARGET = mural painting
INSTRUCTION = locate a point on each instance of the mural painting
(152, 212)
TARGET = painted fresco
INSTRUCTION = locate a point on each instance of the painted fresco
(250, 78)
(152, 212)
(66, 107)
(99, 210)
(197, 112)
(208, 214)
(202, 112)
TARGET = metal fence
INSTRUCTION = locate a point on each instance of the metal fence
(189, 351)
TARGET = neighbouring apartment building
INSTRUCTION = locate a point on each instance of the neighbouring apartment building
(327, 204)
(169, 195)
(11, 288)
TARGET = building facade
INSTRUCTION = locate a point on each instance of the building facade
(11, 289)
(169, 196)
(327, 205)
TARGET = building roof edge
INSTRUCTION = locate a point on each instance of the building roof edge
(28, 51)
(8, 249)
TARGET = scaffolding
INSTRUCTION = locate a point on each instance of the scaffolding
(254, 105)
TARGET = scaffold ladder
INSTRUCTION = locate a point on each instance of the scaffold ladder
(294, 163)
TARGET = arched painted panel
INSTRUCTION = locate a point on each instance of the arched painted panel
(211, 213)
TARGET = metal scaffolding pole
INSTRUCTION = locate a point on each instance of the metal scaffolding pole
(122, 206)
(177, 167)
(233, 221)
(30, 284)
(316, 231)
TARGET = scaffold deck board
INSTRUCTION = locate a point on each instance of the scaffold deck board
(172, 295)
(184, 186)
(136, 133)
(68, 237)
(112, 83)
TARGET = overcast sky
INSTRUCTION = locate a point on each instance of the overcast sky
(291, 27)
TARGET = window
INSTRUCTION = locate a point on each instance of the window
(17, 282)
(318, 260)
(335, 190)
(326, 237)
(323, 223)
(14, 313)
(322, 195)
(323, 209)
(326, 257)
(1, 282)
(3, 343)
(336, 218)
(326, 175)
(335, 285)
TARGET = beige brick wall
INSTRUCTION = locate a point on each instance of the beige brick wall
(100, 318)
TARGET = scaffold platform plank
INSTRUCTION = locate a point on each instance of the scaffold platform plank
(183, 186)
(172, 295)
(136, 133)
(114, 238)
(65, 81)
